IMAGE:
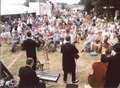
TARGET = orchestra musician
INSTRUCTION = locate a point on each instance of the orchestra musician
(97, 78)
(112, 78)
(28, 77)
(30, 46)
(69, 51)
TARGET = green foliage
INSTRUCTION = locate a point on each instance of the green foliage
(27, 3)
(99, 5)
(82, 2)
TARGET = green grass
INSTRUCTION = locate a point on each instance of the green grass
(84, 64)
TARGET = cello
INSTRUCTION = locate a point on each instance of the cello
(97, 79)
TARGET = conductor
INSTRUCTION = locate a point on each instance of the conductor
(69, 53)
(30, 46)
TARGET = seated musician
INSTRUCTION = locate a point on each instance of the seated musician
(105, 45)
(97, 46)
(112, 78)
(28, 77)
(4, 73)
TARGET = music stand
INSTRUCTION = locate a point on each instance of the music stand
(48, 76)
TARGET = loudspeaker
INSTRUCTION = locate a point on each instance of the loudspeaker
(4, 72)
(71, 86)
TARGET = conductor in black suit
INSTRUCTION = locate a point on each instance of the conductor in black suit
(28, 77)
(30, 46)
(69, 52)
(112, 78)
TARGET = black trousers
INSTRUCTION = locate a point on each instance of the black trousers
(35, 64)
(30, 25)
(73, 73)
(111, 83)
(35, 61)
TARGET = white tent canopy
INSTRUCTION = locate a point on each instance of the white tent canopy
(13, 9)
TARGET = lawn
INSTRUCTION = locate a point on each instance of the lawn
(15, 60)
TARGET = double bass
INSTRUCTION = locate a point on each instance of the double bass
(97, 79)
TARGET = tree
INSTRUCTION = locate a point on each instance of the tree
(98, 5)
(88, 5)
(82, 2)
(27, 3)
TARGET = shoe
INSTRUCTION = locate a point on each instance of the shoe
(65, 81)
(76, 81)
(82, 51)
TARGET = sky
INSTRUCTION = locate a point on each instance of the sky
(12, 1)
(22, 1)
(67, 1)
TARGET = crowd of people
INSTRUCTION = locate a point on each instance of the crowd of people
(64, 29)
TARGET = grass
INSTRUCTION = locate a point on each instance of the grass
(84, 64)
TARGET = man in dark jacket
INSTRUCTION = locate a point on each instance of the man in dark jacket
(30, 46)
(28, 77)
(69, 52)
(112, 79)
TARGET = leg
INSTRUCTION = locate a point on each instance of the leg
(65, 76)
(73, 76)
(35, 63)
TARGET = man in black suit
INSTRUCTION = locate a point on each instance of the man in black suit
(69, 53)
(30, 46)
(112, 78)
(28, 77)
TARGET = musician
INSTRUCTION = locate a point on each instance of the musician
(28, 77)
(68, 60)
(30, 46)
(112, 79)
(4, 73)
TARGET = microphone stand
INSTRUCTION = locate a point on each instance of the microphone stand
(46, 55)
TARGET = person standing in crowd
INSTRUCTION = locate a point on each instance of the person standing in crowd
(78, 22)
(6, 32)
(69, 53)
(28, 77)
(56, 39)
(112, 78)
(30, 46)
(29, 22)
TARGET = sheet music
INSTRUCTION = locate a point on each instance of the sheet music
(48, 76)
